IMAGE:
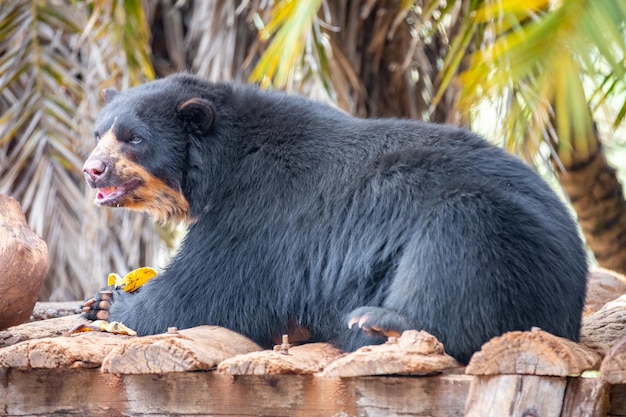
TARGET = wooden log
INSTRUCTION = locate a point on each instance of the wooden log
(605, 328)
(23, 264)
(83, 350)
(515, 395)
(432, 396)
(299, 360)
(617, 406)
(199, 348)
(413, 353)
(38, 329)
(603, 285)
(532, 353)
(52, 310)
(64, 392)
(613, 368)
(586, 397)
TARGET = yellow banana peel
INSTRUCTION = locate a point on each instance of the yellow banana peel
(114, 280)
(103, 326)
(133, 280)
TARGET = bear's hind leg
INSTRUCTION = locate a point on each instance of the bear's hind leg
(485, 260)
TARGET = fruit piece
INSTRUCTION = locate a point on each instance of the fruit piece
(114, 327)
(137, 278)
(133, 280)
(114, 280)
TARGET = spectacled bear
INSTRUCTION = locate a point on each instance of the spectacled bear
(305, 220)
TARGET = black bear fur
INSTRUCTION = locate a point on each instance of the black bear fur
(299, 213)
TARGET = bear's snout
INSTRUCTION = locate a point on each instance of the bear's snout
(94, 170)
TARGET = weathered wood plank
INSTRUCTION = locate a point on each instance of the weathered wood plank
(84, 350)
(198, 348)
(57, 392)
(532, 353)
(586, 397)
(54, 309)
(300, 360)
(605, 328)
(38, 329)
(617, 401)
(603, 285)
(434, 396)
(414, 353)
(515, 395)
(613, 368)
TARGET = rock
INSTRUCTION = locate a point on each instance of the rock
(23, 264)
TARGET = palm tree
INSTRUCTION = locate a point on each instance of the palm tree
(370, 58)
(54, 59)
(553, 67)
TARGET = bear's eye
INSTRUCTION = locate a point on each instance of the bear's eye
(96, 137)
(135, 140)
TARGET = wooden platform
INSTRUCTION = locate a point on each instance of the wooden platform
(89, 392)
(209, 371)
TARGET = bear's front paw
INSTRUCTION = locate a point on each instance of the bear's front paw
(378, 321)
(97, 308)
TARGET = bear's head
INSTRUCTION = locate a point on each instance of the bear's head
(142, 144)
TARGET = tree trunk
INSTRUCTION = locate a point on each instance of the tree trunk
(598, 199)
(395, 63)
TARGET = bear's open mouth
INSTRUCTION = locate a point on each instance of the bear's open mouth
(112, 196)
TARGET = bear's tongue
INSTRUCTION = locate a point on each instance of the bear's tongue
(105, 192)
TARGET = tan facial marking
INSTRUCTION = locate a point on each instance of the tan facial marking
(153, 195)
(107, 147)
(157, 198)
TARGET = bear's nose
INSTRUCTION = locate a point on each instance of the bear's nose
(94, 169)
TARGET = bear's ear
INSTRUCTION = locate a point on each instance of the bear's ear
(109, 94)
(198, 114)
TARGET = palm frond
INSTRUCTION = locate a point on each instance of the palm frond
(556, 50)
(51, 72)
(38, 100)
(290, 25)
(218, 40)
(372, 58)
(124, 22)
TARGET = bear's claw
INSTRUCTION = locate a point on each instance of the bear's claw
(377, 321)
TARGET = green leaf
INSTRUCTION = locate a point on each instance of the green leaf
(289, 27)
